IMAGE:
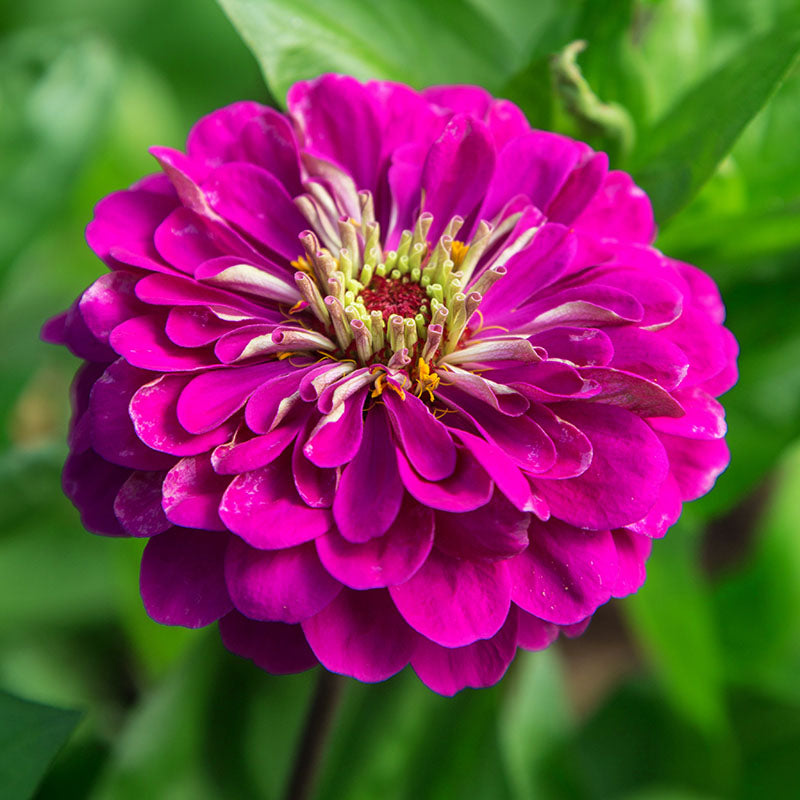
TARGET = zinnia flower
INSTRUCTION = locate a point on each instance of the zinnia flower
(390, 379)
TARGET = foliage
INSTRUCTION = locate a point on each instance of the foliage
(696, 696)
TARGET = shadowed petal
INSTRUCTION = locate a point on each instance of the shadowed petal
(113, 435)
(534, 633)
(494, 531)
(137, 506)
(278, 585)
(278, 648)
(632, 553)
(182, 580)
(469, 487)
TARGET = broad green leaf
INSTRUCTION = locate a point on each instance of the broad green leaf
(30, 736)
(758, 605)
(52, 573)
(672, 618)
(682, 150)
(416, 42)
(636, 742)
(54, 91)
(216, 727)
(769, 740)
(534, 720)
(763, 409)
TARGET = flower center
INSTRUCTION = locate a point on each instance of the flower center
(395, 296)
(392, 307)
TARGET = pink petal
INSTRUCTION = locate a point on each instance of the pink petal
(520, 438)
(565, 574)
(494, 531)
(109, 301)
(425, 441)
(390, 559)
(192, 494)
(619, 210)
(454, 602)
(242, 192)
(579, 189)
(704, 417)
(127, 219)
(153, 410)
(334, 112)
(584, 347)
(336, 438)
(361, 634)
(663, 514)
(623, 481)
(193, 326)
(503, 471)
(448, 670)
(236, 457)
(370, 491)
(695, 463)
(143, 343)
(212, 398)
(263, 507)
(535, 164)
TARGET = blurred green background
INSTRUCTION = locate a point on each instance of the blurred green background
(689, 690)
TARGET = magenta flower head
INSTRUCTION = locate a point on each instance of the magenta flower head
(389, 379)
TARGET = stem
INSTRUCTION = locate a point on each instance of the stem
(310, 752)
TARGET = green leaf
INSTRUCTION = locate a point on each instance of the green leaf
(672, 618)
(416, 42)
(400, 741)
(55, 89)
(636, 742)
(30, 736)
(681, 151)
(534, 719)
(758, 605)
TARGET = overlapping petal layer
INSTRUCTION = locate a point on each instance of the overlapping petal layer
(390, 379)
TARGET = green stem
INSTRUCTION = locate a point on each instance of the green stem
(310, 753)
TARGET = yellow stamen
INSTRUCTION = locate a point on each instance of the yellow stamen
(381, 383)
(458, 252)
(427, 381)
(287, 354)
(298, 306)
(302, 264)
